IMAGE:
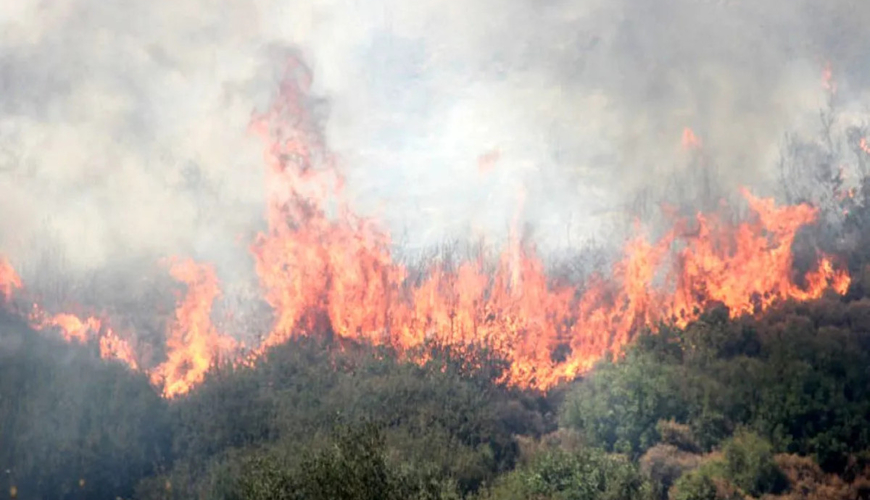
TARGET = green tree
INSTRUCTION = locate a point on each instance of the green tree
(748, 463)
(585, 474)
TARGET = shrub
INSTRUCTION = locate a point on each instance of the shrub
(694, 486)
(586, 474)
(665, 463)
(749, 464)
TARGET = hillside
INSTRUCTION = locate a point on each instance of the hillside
(722, 353)
(775, 405)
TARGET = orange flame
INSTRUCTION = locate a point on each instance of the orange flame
(114, 347)
(828, 82)
(335, 273)
(321, 273)
(9, 280)
(193, 344)
(690, 140)
(72, 328)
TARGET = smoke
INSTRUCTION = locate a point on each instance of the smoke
(123, 125)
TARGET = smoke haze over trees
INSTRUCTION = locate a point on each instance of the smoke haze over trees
(388, 350)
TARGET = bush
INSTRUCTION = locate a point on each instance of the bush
(449, 420)
(694, 486)
(665, 463)
(677, 435)
(586, 474)
(749, 464)
(353, 466)
(619, 405)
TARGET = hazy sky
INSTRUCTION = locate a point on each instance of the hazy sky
(105, 106)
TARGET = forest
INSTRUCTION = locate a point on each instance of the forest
(774, 407)
(726, 406)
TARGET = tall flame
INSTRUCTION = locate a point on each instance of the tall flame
(193, 344)
(320, 272)
(323, 269)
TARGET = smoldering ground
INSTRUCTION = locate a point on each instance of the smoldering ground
(123, 126)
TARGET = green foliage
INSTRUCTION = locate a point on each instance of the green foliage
(797, 376)
(677, 435)
(696, 485)
(353, 469)
(749, 465)
(321, 418)
(585, 474)
(664, 464)
(263, 478)
(449, 420)
(352, 466)
(619, 405)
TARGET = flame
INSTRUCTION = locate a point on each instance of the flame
(193, 344)
(9, 280)
(864, 146)
(757, 270)
(690, 140)
(320, 273)
(828, 82)
(72, 327)
(114, 347)
(75, 329)
(324, 270)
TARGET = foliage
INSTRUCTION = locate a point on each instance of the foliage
(665, 463)
(796, 376)
(696, 485)
(584, 474)
(320, 417)
(807, 481)
(620, 404)
(450, 421)
(749, 465)
(70, 425)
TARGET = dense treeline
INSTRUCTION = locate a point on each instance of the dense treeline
(774, 406)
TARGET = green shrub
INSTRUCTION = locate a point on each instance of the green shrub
(694, 486)
(749, 464)
(585, 474)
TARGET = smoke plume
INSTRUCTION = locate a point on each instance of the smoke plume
(124, 124)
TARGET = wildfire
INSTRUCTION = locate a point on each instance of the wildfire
(335, 273)
(71, 327)
(193, 344)
(9, 280)
(828, 82)
(75, 329)
(690, 140)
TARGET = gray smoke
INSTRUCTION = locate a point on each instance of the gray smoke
(123, 124)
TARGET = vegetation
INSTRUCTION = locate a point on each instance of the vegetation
(771, 407)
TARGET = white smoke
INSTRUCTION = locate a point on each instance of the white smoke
(123, 124)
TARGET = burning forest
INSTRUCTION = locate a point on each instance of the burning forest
(333, 274)
(507, 251)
